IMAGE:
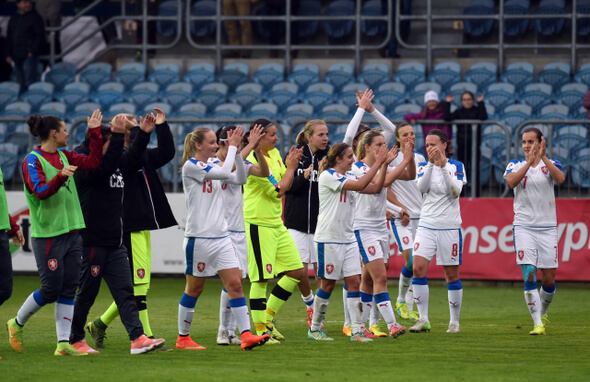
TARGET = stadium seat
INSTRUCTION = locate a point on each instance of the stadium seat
(200, 74)
(459, 88)
(537, 96)
(268, 75)
(572, 95)
(526, 109)
(550, 27)
(96, 74)
(417, 95)
(143, 93)
(57, 109)
(410, 74)
(390, 95)
(264, 110)
(227, 111)
(149, 108)
(500, 95)
(178, 94)
(347, 95)
(401, 110)
(190, 111)
(446, 74)
(518, 74)
(583, 24)
(374, 74)
(212, 94)
(118, 108)
(130, 74)
(319, 95)
(234, 74)
(580, 168)
(61, 74)
(203, 28)
(334, 111)
(83, 110)
(555, 74)
(9, 160)
(297, 112)
(482, 74)
(165, 74)
(554, 109)
(485, 164)
(283, 95)
(372, 27)
(307, 28)
(108, 94)
(8, 93)
(303, 75)
(491, 110)
(339, 75)
(37, 94)
(168, 28)
(247, 95)
(478, 27)
(516, 27)
(338, 28)
(74, 94)
(571, 137)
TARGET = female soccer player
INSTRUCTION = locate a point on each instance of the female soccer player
(370, 228)
(439, 230)
(302, 200)
(535, 222)
(56, 217)
(408, 195)
(207, 245)
(234, 215)
(271, 249)
(336, 246)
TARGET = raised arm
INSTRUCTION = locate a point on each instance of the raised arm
(364, 100)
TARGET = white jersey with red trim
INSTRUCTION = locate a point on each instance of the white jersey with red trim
(407, 191)
(369, 212)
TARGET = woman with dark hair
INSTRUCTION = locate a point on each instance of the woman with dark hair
(439, 230)
(56, 217)
(535, 222)
(465, 137)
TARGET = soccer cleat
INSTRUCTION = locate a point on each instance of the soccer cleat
(368, 334)
(163, 348)
(346, 330)
(222, 338)
(83, 347)
(414, 315)
(143, 344)
(545, 319)
(271, 340)
(185, 342)
(270, 325)
(309, 317)
(319, 335)
(234, 339)
(538, 330)
(250, 340)
(64, 348)
(359, 337)
(453, 328)
(98, 335)
(376, 331)
(421, 326)
(401, 309)
(396, 330)
(15, 335)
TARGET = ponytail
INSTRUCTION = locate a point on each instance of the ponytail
(308, 130)
(367, 139)
(197, 136)
(336, 151)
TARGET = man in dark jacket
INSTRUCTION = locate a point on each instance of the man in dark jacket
(104, 255)
(25, 41)
(145, 208)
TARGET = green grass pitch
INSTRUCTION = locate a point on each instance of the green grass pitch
(493, 345)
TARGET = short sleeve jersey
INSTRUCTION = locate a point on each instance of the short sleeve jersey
(534, 198)
(369, 212)
(204, 202)
(407, 191)
(336, 216)
(439, 209)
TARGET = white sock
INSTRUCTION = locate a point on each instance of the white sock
(186, 312)
(354, 309)
(410, 298)
(224, 310)
(421, 296)
(367, 305)
(404, 285)
(240, 312)
(308, 300)
(320, 306)
(345, 305)
(546, 299)
(383, 303)
(374, 316)
(533, 303)
(32, 305)
(455, 300)
(232, 324)
(64, 312)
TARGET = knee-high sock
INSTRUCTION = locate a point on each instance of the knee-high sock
(64, 312)
(320, 307)
(308, 300)
(410, 298)
(110, 314)
(32, 305)
(258, 306)
(367, 301)
(225, 312)
(455, 294)
(546, 295)
(354, 308)
(421, 296)
(405, 280)
(279, 295)
(186, 312)
(345, 305)
(240, 312)
(383, 303)
(531, 296)
(375, 313)
(143, 315)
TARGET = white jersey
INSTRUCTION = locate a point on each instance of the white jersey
(233, 199)
(336, 215)
(440, 210)
(534, 198)
(407, 191)
(369, 212)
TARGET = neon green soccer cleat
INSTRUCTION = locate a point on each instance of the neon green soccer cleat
(15, 335)
(421, 326)
(270, 326)
(98, 335)
(538, 330)
(401, 308)
(64, 348)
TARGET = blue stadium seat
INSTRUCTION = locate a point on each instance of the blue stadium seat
(83, 110)
(143, 93)
(304, 74)
(537, 96)
(550, 27)
(555, 74)
(580, 168)
(485, 164)
(168, 28)
(491, 110)
(61, 74)
(347, 95)
(334, 111)
(227, 111)
(130, 74)
(203, 28)
(108, 94)
(374, 74)
(319, 95)
(500, 95)
(516, 27)
(9, 160)
(165, 74)
(283, 95)
(571, 137)
(38, 94)
(446, 74)
(459, 88)
(401, 110)
(212, 94)
(554, 110)
(526, 109)
(264, 110)
(8, 93)
(74, 94)
(297, 112)
(478, 27)
(390, 95)
(307, 28)
(268, 75)
(410, 74)
(234, 74)
(122, 107)
(339, 75)
(482, 74)
(191, 111)
(178, 94)
(199, 74)
(166, 108)
(417, 94)
(338, 28)
(372, 27)
(572, 95)
(57, 109)
(96, 74)
(583, 24)
(247, 95)
(518, 74)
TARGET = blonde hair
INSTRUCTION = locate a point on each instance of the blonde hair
(308, 130)
(366, 140)
(336, 151)
(197, 136)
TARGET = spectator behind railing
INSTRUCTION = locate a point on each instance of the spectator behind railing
(238, 8)
(432, 110)
(464, 139)
(586, 104)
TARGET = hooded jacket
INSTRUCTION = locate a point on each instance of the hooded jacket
(25, 34)
(302, 201)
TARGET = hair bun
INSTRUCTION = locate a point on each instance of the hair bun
(35, 121)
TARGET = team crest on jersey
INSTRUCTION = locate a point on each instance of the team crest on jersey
(52, 264)
(269, 268)
(420, 169)
(416, 246)
(364, 168)
(371, 250)
(141, 273)
(338, 175)
(520, 255)
(406, 240)
(510, 166)
(201, 267)
(545, 170)
(329, 269)
(95, 270)
(202, 164)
